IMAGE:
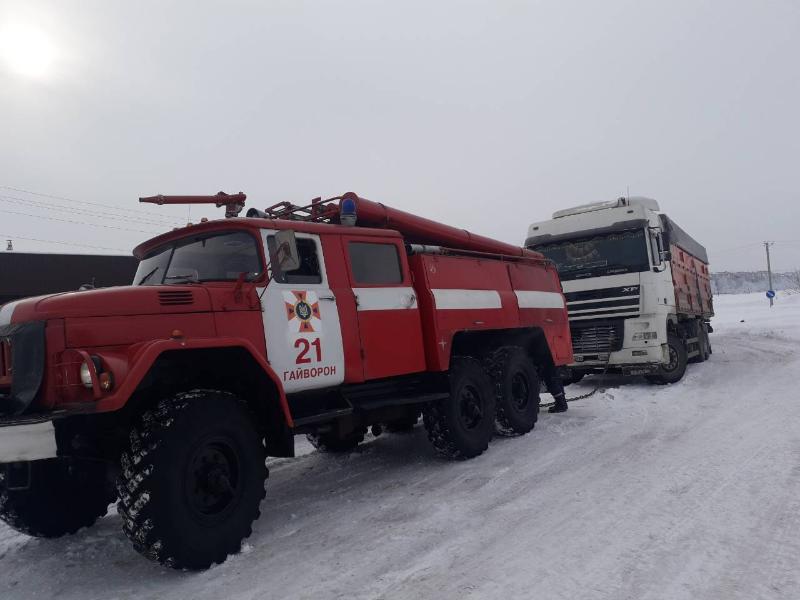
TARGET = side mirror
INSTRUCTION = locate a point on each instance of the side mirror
(286, 254)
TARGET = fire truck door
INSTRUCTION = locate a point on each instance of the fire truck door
(301, 321)
(388, 312)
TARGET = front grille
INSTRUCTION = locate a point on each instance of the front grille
(596, 338)
(598, 294)
(175, 297)
(5, 363)
(606, 303)
(22, 356)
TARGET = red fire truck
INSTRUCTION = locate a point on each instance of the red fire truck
(239, 333)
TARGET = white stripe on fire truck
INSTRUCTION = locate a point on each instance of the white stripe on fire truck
(534, 299)
(449, 299)
(385, 298)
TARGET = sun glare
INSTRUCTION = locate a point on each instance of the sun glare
(26, 50)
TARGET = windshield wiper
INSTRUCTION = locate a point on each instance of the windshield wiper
(146, 277)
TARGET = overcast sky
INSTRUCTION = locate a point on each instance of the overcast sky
(486, 115)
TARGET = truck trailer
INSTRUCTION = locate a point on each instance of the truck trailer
(638, 288)
(239, 333)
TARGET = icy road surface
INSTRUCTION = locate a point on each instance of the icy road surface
(641, 492)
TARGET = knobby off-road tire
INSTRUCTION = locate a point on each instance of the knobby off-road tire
(462, 425)
(192, 479)
(64, 496)
(330, 442)
(676, 368)
(516, 386)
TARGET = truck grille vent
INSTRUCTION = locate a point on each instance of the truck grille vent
(5, 362)
(606, 337)
(175, 297)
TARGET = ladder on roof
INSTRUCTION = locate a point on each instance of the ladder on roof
(319, 211)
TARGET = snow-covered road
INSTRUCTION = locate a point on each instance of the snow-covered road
(641, 492)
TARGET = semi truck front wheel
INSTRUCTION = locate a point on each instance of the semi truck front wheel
(674, 370)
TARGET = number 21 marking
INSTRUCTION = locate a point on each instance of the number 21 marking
(304, 345)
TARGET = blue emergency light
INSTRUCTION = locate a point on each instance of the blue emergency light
(347, 212)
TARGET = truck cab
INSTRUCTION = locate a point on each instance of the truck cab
(632, 280)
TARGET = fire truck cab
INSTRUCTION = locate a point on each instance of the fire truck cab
(238, 334)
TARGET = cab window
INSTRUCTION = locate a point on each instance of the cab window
(309, 271)
(373, 264)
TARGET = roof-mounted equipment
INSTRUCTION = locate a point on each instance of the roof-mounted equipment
(233, 203)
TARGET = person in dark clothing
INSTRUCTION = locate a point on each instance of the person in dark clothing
(555, 386)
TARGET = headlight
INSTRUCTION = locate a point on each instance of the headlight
(645, 335)
(86, 376)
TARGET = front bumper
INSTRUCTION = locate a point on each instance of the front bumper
(24, 441)
(628, 361)
(626, 356)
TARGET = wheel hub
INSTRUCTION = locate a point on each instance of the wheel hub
(212, 480)
(471, 409)
(520, 391)
(673, 360)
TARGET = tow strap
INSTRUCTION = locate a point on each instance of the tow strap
(600, 381)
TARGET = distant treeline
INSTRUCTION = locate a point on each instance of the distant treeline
(744, 282)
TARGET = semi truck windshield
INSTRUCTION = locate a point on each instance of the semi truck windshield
(595, 256)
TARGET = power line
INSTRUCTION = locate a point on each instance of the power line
(111, 206)
(30, 239)
(85, 211)
(14, 212)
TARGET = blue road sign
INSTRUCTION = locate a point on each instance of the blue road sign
(770, 294)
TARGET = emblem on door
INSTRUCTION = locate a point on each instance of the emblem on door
(302, 311)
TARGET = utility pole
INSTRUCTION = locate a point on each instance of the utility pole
(769, 268)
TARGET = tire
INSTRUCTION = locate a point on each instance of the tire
(675, 370)
(403, 425)
(330, 442)
(192, 479)
(516, 385)
(462, 425)
(64, 496)
(705, 344)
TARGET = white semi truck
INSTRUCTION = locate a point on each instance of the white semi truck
(638, 288)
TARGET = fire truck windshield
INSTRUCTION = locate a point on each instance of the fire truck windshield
(596, 256)
(216, 257)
